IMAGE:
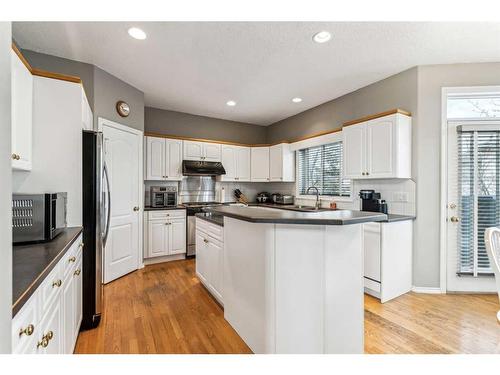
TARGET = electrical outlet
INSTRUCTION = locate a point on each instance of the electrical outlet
(400, 196)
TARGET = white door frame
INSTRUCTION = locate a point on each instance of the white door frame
(101, 121)
(445, 92)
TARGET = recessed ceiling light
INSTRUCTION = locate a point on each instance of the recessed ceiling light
(296, 100)
(231, 103)
(322, 37)
(137, 33)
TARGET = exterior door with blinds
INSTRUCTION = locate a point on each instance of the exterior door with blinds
(473, 202)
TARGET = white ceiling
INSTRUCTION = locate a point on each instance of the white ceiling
(196, 67)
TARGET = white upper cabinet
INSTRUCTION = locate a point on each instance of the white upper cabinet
(378, 148)
(236, 162)
(281, 163)
(87, 116)
(202, 151)
(163, 159)
(260, 164)
(22, 114)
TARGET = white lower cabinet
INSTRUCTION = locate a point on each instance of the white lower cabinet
(165, 233)
(210, 257)
(49, 321)
(387, 259)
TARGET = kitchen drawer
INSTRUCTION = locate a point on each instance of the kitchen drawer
(373, 285)
(23, 341)
(213, 230)
(71, 257)
(166, 214)
(51, 287)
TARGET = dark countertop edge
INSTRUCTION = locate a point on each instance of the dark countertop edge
(392, 218)
(210, 218)
(25, 296)
(149, 208)
(306, 221)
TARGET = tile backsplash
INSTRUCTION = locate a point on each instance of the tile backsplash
(399, 194)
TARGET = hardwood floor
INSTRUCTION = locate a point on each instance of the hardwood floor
(163, 308)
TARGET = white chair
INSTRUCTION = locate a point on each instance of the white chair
(492, 241)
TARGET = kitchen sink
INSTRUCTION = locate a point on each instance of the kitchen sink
(305, 208)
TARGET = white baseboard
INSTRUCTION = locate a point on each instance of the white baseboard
(426, 290)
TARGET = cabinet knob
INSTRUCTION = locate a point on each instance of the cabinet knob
(136, 208)
(14, 156)
(28, 331)
(367, 173)
(168, 223)
(50, 335)
(72, 260)
(57, 283)
(44, 343)
(77, 272)
(205, 240)
(454, 219)
(81, 245)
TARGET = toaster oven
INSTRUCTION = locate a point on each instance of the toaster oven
(38, 217)
(163, 196)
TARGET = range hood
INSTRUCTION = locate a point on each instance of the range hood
(202, 168)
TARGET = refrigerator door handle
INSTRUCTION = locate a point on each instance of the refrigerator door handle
(108, 205)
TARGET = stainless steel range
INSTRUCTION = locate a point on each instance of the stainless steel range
(196, 193)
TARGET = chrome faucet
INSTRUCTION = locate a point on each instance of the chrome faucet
(317, 195)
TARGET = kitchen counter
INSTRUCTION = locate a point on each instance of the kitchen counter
(178, 207)
(261, 214)
(211, 218)
(390, 217)
(32, 263)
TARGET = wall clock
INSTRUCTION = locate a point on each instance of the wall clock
(122, 108)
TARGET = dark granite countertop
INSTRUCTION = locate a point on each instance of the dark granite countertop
(32, 263)
(211, 218)
(391, 218)
(178, 207)
(271, 215)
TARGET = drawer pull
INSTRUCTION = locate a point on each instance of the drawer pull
(168, 223)
(44, 343)
(205, 240)
(50, 335)
(28, 331)
(57, 283)
(72, 260)
(77, 272)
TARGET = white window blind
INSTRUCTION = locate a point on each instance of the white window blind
(321, 167)
(479, 194)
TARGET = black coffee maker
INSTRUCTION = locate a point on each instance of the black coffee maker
(371, 201)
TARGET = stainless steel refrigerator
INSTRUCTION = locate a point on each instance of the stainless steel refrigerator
(96, 211)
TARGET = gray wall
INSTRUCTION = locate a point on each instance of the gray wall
(108, 90)
(398, 91)
(187, 125)
(427, 144)
(64, 66)
(103, 90)
(5, 192)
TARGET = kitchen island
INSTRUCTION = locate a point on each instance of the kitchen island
(293, 281)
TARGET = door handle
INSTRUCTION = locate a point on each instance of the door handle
(136, 208)
(454, 219)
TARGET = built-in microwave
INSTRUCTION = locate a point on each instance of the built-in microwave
(163, 196)
(38, 217)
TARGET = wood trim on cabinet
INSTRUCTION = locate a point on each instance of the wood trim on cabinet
(377, 115)
(44, 73)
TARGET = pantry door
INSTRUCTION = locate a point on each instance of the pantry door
(473, 204)
(122, 154)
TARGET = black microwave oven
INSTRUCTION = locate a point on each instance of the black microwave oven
(38, 217)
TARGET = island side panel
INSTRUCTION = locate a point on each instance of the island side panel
(249, 282)
(344, 301)
(299, 265)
